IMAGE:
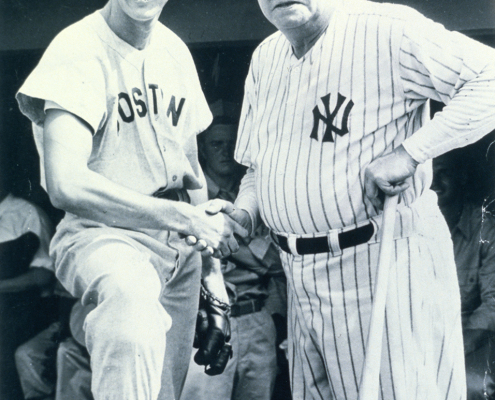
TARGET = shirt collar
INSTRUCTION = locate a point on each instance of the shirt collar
(214, 189)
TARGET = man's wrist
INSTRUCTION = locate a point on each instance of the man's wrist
(213, 278)
(402, 152)
(185, 217)
(242, 217)
(406, 152)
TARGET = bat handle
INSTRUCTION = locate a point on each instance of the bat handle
(368, 389)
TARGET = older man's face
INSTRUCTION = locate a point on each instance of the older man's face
(288, 14)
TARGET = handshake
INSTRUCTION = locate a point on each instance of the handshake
(218, 227)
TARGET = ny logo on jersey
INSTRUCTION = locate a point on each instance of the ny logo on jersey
(330, 117)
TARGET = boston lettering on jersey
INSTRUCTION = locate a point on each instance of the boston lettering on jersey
(128, 108)
(330, 116)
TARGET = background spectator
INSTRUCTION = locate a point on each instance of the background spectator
(473, 233)
(25, 275)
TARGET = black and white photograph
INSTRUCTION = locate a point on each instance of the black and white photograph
(247, 200)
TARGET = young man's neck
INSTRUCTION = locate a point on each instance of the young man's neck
(136, 33)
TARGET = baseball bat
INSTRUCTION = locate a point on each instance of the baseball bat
(368, 388)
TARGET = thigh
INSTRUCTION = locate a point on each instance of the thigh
(110, 265)
(87, 257)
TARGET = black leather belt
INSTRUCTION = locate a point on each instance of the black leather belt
(320, 244)
(246, 307)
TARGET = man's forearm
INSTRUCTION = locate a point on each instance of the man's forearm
(213, 278)
(246, 200)
(468, 117)
(95, 197)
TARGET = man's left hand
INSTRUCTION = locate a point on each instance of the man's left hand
(388, 174)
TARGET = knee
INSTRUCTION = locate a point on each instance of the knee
(128, 317)
(126, 338)
(126, 288)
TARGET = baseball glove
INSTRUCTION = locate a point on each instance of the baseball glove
(212, 334)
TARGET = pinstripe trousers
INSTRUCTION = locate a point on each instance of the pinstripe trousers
(330, 302)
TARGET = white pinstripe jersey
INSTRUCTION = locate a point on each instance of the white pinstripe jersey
(310, 126)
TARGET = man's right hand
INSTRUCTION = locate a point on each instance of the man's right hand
(213, 234)
(240, 227)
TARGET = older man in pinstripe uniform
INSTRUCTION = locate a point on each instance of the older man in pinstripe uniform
(335, 114)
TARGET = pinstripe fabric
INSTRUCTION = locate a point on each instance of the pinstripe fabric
(375, 56)
(330, 306)
(309, 185)
(374, 66)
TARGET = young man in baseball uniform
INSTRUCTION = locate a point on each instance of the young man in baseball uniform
(116, 105)
(335, 113)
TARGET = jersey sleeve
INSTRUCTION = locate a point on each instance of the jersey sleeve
(247, 191)
(244, 136)
(451, 68)
(246, 198)
(70, 75)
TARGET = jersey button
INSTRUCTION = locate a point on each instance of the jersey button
(164, 149)
(174, 178)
